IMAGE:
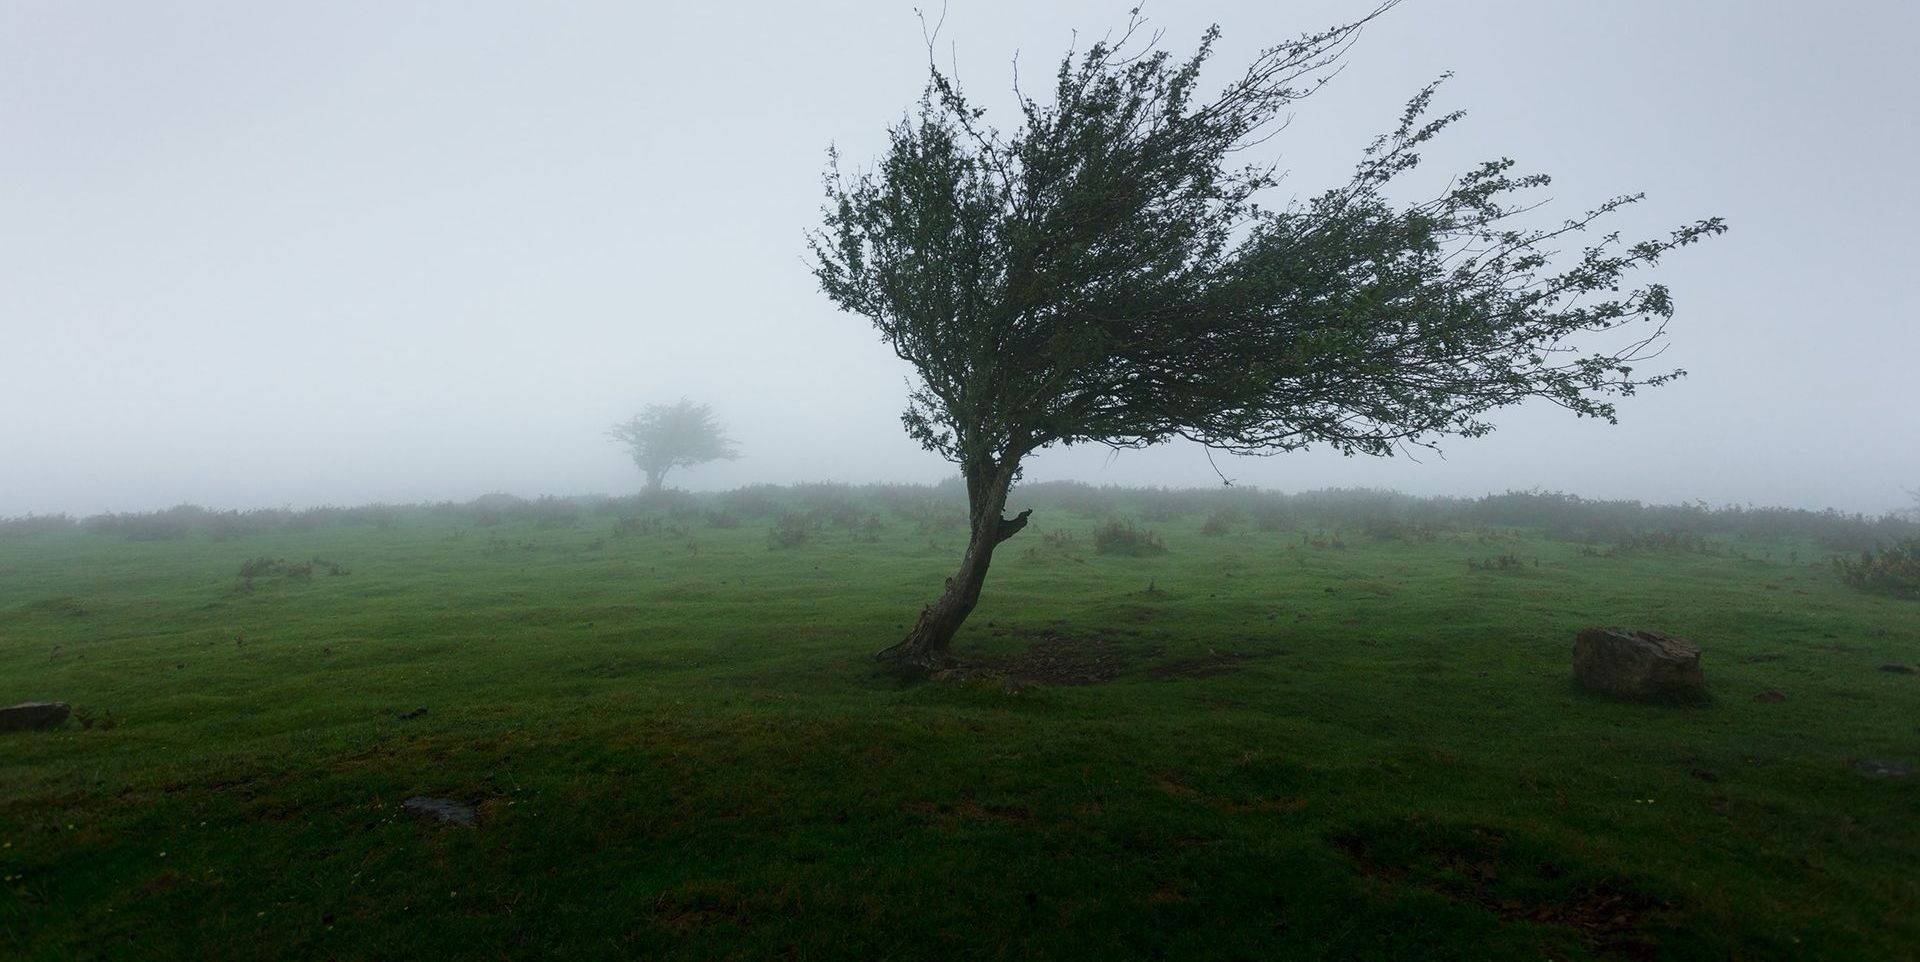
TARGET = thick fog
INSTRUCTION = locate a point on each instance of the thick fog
(262, 254)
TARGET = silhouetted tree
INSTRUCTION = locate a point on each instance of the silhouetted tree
(1106, 273)
(668, 436)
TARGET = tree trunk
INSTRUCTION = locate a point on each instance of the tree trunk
(926, 645)
(656, 477)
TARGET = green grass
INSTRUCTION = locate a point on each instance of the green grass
(680, 749)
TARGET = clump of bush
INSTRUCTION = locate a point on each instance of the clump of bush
(1662, 541)
(1503, 562)
(1121, 537)
(1053, 546)
(1888, 569)
(35, 524)
(1320, 539)
(792, 531)
(264, 565)
(1218, 524)
(868, 531)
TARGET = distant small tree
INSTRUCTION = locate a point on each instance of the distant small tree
(1108, 273)
(668, 436)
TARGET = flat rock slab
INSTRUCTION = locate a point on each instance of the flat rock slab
(1873, 768)
(1638, 665)
(444, 810)
(27, 716)
(1897, 669)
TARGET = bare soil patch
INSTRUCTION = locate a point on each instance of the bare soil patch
(1057, 658)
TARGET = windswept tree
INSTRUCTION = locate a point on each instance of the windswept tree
(1108, 273)
(668, 436)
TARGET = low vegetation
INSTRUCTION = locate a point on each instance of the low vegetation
(1333, 729)
(1888, 569)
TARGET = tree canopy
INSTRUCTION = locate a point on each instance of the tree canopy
(1108, 272)
(667, 436)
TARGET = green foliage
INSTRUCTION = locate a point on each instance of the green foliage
(792, 531)
(35, 524)
(1108, 272)
(1114, 270)
(1661, 541)
(1889, 569)
(1121, 537)
(668, 436)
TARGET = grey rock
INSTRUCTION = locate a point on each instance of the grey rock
(1638, 665)
(34, 714)
(1872, 768)
(440, 810)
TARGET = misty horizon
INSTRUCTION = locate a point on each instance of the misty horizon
(417, 253)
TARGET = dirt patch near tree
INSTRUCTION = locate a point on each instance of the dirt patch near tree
(1060, 657)
(1063, 658)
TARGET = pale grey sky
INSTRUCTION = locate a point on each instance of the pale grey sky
(263, 254)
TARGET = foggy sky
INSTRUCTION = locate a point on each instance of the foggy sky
(274, 254)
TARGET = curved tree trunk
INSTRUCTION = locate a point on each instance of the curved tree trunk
(656, 478)
(926, 645)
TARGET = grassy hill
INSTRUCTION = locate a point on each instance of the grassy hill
(1333, 727)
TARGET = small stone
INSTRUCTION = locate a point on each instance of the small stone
(444, 810)
(1770, 696)
(1638, 665)
(34, 714)
(1872, 768)
(416, 713)
(1897, 669)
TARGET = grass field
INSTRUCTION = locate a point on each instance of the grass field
(1280, 738)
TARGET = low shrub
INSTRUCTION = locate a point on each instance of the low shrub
(1888, 569)
(1662, 541)
(792, 531)
(34, 524)
(1121, 537)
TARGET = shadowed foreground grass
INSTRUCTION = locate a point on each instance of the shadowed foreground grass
(1302, 743)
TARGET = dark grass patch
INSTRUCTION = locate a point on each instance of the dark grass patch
(57, 607)
(1210, 665)
(1509, 877)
